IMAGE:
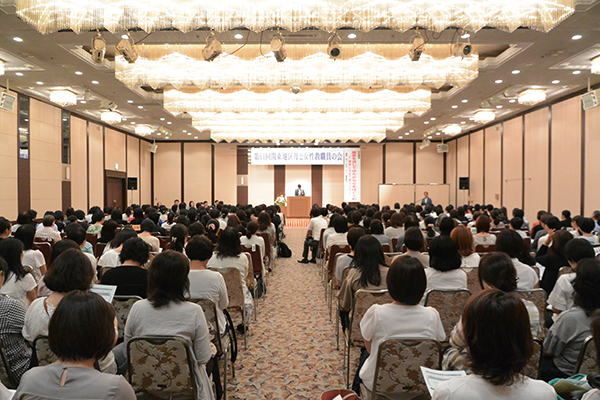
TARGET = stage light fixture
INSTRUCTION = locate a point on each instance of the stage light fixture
(213, 48)
(98, 49)
(334, 47)
(462, 50)
(125, 48)
(417, 47)
(278, 47)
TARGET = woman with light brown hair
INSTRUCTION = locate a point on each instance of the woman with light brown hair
(483, 235)
(464, 240)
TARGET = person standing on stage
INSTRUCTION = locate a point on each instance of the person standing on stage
(426, 200)
(299, 191)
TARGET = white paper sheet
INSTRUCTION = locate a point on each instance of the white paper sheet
(434, 377)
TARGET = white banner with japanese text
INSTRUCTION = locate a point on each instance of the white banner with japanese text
(352, 175)
(296, 156)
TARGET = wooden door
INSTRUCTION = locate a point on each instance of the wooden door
(115, 192)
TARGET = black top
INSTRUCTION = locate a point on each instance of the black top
(130, 280)
(553, 263)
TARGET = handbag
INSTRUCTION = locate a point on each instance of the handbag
(343, 393)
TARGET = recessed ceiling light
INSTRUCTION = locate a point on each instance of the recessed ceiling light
(195, 137)
(462, 122)
(429, 137)
(78, 73)
(40, 83)
(352, 36)
(516, 71)
(556, 82)
(412, 131)
(576, 37)
(169, 122)
(437, 134)
(512, 101)
(124, 36)
(184, 131)
(498, 106)
(400, 137)
(465, 101)
(162, 119)
(17, 39)
(432, 118)
(238, 36)
(454, 106)
(499, 81)
(18, 73)
(83, 101)
(158, 133)
(95, 82)
(140, 107)
(132, 123)
(130, 101)
(426, 122)
(189, 133)
(466, 36)
(576, 72)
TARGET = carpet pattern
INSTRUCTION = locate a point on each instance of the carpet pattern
(291, 350)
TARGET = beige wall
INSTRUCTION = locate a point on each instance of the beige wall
(45, 156)
(462, 168)
(145, 183)
(371, 171)
(592, 168)
(300, 174)
(116, 148)
(197, 167)
(512, 194)
(167, 173)
(399, 163)
(476, 168)
(451, 171)
(261, 184)
(79, 183)
(226, 173)
(8, 160)
(133, 168)
(430, 165)
(536, 163)
(96, 165)
(333, 184)
(493, 165)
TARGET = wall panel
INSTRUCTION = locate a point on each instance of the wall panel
(299, 174)
(167, 173)
(96, 165)
(476, 168)
(197, 170)
(116, 148)
(592, 172)
(261, 184)
(8, 160)
(565, 159)
(399, 163)
(79, 187)
(45, 156)
(145, 182)
(371, 161)
(430, 165)
(451, 171)
(462, 168)
(225, 173)
(536, 163)
(512, 166)
(133, 168)
(333, 184)
(493, 168)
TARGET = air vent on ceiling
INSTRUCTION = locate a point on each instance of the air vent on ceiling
(7, 101)
(590, 99)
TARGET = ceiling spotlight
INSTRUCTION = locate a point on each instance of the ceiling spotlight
(461, 50)
(213, 48)
(432, 118)
(417, 47)
(484, 116)
(39, 83)
(63, 97)
(516, 72)
(95, 82)
(595, 65)
(162, 119)
(426, 122)
(125, 48)
(130, 101)
(18, 73)
(498, 106)
(464, 101)
(238, 36)
(334, 46)
(110, 117)
(512, 101)
(98, 49)
(143, 130)
(17, 39)
(278, 47)
(576, 72)
(454, 106)
(499, 81)
(352, 36)
(452, 130)
(78, 73)
(532, 97)
(576, 37)
(555, 82)
(424, 144)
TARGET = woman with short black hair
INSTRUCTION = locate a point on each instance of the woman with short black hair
(178, 238)
(498, 337)
(130, 278)
(18, 283)
(82, 330)
(33, 259)
(444, 262)
(511, 243)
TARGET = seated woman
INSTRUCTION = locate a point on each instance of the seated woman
(34, 259)
(108, 232)
(266, 226)
(367, 271)
(376, 228)
(594, 394)
(483, 236)
(110, 258)
(81, 331)
(551, 256)
(464, 240)
(414, 242)
(166, 312)
(496, 271)
(178, 238)
(566, 336)
(229, 254)
(499, 342)
(130, 278)
(396, 228)
(12, 317)
(18, 283)
(97, 221)
(511, 243)
(252, 239)
(406, 283)
(444, 262)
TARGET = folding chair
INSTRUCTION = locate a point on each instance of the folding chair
(485, 248)
(44, 355)
(6, 376)
(329, 272)
(99, 249)
(91, 238)
(473, 284)
(268, 256)
(532, 369)
(537, 297)
(449, 304)
(46, 250)
(235, 292)
(587, 361)
(251, 283)
(122, 306)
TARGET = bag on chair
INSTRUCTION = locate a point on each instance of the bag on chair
(343, 393)
(283, 251)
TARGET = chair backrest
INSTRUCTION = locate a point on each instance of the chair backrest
(254, 252)
(321, 248)
(485, 248)
(161, 364)
(449, 304)
(92, 238)
(527, 243)
(587, 361)
(250, 276)
(6, 376)
(537, 297)
(386, 248)
(333, 251)
(397, 370)
(45, 248)
(473, 284)
(235, 291)
(267, 240)
(99, 249)
(165, 242)
(44, 355)
(210, 313)
(45, 240)
(394, 243)
(532, 369)
(122, 305)
(363, 300)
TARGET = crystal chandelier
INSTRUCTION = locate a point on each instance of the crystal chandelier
(110, 117)
(531, 97)
(452, 130)
(418, 101)
(299, 133)
(143, 130)
(258, 15)
(484, 116)
(595, 65)
(63, 97)
(317, 70)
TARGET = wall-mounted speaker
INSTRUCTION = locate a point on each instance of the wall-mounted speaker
(463, 183)
(132, 183)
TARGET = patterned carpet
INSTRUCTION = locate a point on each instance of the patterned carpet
(291, 351)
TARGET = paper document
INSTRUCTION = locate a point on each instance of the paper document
(106, 291)
(433, 377)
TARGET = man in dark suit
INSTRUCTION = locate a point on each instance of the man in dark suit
(299, 191)
(426, 200)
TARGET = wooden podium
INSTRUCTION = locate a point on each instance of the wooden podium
(299, 206)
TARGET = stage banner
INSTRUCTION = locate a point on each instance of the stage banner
(352, 175)
(296, 156)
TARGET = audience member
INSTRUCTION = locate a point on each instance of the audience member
(47, 232)
(32, 259)
(464, 240)
(551, 256)
(483, 236)
(18, 283)
(511, 243)
(444, 262)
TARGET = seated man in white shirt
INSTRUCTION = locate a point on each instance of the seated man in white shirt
(585, 227)
(516, 224)
(48, 232)
(313, 234)
(561, 298)
(343, 262)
